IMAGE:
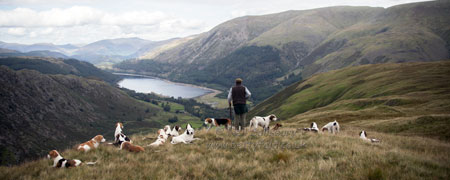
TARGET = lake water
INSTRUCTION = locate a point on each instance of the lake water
(146, 84)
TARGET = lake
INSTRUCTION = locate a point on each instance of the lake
(146, 84)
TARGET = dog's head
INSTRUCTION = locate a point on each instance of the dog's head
(189, 129)
(119, 124)
(272, 117)
(52, 154)
(208, 121)
(362, 134)
(177, 128)
(99, 138)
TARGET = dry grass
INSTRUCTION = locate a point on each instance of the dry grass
(286, 154)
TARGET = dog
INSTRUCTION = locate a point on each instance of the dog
(278, 125)
(59, 161)
(218, 122)
(162, 134)
(130, 147)
(161, 139)
(91, 144)
(119, 127)
(175, 131)
(167, 130)
(332, 127)
(312, 128)
(120, 138)
(262, 121)
(363, 135)
(186, 137)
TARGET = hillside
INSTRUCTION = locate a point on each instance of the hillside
(284, 155)
(404, 105)
(272, 51)
(49, 65)
(46, 111)
(411, 97)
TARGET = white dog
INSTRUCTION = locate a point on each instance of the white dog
(119, 127)
(262, 121)
(186, 137)
(175, 131)
(363, 135)
(313, 127)
(167, 130)
(332, 127)
(162, 137)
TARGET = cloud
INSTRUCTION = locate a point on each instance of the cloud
(16, 31)
(76, 16)
(82, 24)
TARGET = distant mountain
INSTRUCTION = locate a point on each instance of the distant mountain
(271, 51)
(103, 51)
(13, 53)
(66, 49)
(58, 66)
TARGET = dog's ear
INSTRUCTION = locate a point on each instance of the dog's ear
(312, 124)
(365, 134)
(188, 126)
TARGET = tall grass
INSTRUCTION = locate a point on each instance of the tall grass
(286, 154)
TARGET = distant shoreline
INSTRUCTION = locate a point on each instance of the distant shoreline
(210, 91)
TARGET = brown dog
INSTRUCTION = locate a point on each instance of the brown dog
(91, 144)
(130, 147)
(278, 125)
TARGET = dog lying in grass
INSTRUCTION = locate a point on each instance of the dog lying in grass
(91, 144)
(130, 147)
(186, 137)
(312, 128)
(363, 135)
(175, 131)
(59, 161)
(161, 139)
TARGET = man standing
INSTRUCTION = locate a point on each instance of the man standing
(239, 95)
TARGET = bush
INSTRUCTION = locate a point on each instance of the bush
(173, 120)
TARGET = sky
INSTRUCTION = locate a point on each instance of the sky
(85, 21)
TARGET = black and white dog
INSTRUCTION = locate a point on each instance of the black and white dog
(186, 137)
(312, 128)
(332, 127)
(262, 121)
(120, 138)
(363, 135)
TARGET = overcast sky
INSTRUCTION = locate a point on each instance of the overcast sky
(86, 21)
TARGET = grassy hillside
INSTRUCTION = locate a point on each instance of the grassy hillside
(284, 155)
(405, 105)
(406, 94)
(263, 50)
(40, 111)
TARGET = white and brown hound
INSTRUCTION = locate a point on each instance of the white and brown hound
(218, 122)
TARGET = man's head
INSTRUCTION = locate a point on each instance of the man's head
(238, 81)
